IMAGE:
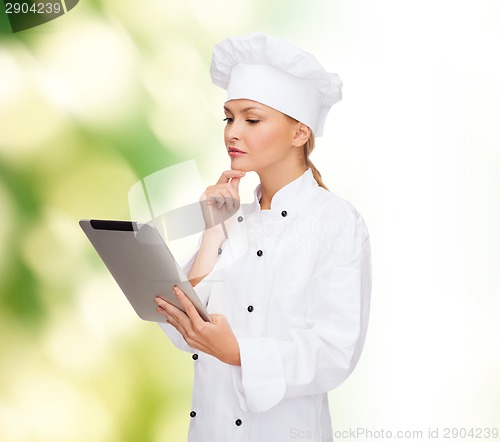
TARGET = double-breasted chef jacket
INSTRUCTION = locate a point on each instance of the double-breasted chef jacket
(294, 282)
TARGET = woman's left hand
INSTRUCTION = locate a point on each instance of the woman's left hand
(214, 338)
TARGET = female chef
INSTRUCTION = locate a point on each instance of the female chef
(287, 278)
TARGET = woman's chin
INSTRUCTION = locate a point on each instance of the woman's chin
(240, 165)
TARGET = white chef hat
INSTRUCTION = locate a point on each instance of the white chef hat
(278, 74)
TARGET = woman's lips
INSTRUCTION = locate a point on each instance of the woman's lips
(233, 152)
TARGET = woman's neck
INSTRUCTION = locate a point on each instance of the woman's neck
(272, 181)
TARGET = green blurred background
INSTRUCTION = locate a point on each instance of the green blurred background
(116, 90)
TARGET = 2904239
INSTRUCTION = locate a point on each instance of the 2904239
(35, 8)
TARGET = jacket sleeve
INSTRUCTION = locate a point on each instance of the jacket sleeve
(202, 289)
(320, 356)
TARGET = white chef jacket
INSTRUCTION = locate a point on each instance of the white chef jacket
(294, 283)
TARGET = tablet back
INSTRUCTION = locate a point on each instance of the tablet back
(141, 263)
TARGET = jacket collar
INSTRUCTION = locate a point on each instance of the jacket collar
(290, 195)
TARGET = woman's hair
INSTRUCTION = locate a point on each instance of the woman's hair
(308, 148)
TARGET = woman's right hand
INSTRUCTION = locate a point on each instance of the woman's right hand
(221, 201)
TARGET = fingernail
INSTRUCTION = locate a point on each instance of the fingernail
(242, 173)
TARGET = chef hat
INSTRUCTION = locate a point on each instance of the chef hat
(278, 74)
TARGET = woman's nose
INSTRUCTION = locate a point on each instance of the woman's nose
(233, 131)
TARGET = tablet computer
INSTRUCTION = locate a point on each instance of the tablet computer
(142, 265)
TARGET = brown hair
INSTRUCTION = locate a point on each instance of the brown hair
(308, 148)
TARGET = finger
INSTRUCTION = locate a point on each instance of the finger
(219, 199)
(159, 306)
(235, 183)
(224, 196)
(234, 195)
(227, 194)
(208, 197)
(170, 311)
(228, 175)
(179, 319)
(191, 311)
(166, 306)
(172, 319)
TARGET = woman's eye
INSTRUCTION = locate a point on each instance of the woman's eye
(228, 120)
(253, 121)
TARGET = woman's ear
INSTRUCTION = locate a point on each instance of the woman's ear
(301, 135)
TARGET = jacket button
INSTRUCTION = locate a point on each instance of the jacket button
(192, 414)
(238, 422)
(250, 308)
(195, 356)
(219, 251)
(260, 252)
(240, 219)
(284, 213)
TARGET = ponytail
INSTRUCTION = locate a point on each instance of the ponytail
(308, 148)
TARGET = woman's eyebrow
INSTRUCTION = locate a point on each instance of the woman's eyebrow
(246, 109)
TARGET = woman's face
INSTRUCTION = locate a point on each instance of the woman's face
(259, 138)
